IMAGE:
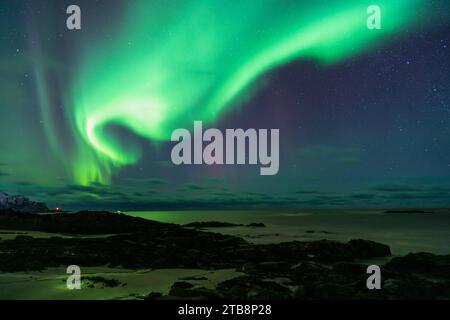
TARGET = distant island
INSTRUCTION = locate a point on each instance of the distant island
(407, 211)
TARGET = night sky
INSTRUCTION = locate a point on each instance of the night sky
(364, 115)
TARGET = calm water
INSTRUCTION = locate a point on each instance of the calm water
(403, 232)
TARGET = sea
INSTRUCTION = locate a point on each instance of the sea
(427, 230)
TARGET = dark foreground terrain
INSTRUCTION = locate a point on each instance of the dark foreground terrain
(310, 270)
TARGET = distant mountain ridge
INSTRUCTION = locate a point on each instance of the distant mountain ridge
(21, 203)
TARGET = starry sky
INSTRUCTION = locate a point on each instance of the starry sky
(364, 115)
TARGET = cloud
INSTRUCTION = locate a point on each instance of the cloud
(411, 194)
(24, 183)
(59, 193)
(140, 182)
(396, 187)
(192, 186)
(340, 154)
(363, 196)
(2, 172)
(308, 192)
(206, 196)
(156, 181)
(256, 194)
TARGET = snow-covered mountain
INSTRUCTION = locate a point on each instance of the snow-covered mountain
(21, 203)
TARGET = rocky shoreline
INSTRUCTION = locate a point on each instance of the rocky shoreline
(293, 270)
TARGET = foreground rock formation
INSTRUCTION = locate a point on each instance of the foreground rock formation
(293, 270)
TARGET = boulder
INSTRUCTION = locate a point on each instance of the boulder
(423, 263)
(253, 288)
(369, 249)
(349, 269)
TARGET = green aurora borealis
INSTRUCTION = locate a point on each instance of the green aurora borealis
(165, 69)
(82, 110)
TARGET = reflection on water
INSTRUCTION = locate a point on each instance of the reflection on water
(403, 232)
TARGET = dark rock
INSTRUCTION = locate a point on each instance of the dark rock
(182, 285)
(273, 266)
(424, 263)
(369, 249)
(308, 267)
(411, 288)
(84, 222)
(328, 291)
(249, 267)
(308, 271)
(183, 289)
(256, 225)
(349, 269)
(153, 296)
(407, 211)
(92, 280)
(201, 293)
(327, 250)
(253, 288)
(319, 269)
